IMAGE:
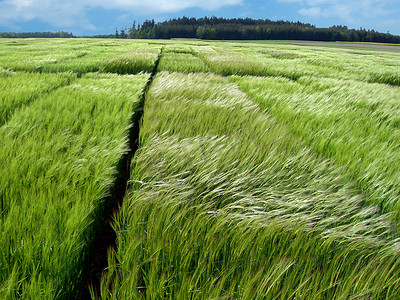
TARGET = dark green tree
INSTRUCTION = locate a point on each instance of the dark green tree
(132, 31)
(250, 29)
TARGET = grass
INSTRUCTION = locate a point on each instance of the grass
(226, 62)
(295, 61)
(141, 60)
(20, 89)
(226, 202)
(182, 62)
(354, 123)
(265, 170)
(59, 159)
(62, 55)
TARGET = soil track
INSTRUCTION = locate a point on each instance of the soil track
(106, 239)
(353, 45)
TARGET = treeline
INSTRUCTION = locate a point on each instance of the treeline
(249, 29)
(59, 34)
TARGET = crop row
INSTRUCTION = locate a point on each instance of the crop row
(226, 202)
(289, 61)
(59, 159)
(263, 59)
(79, 56)
(356, 124)
(292, 193)
(20, 89)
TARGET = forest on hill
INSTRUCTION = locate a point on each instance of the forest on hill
(59, 34)
(249, 29)
(229, 29)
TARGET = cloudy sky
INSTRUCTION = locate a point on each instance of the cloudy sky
(88, 17)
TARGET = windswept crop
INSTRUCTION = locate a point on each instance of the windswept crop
(226, 202)
(355, 124)
(61, 55)
(264, 170)
(226, 62)
(294, 61)
(182, 62)
(59, 159)
(20, 89)
(141, 60)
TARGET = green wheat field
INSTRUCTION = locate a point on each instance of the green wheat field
(266, 170)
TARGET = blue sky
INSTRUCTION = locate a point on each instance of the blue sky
(89, 17)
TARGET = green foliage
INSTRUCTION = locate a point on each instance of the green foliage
(230, 63)
(385, 77)
(294, 61)
(60, 55)
(354, 123)
(59, 34)
(181, 62)
(142, 60)
(19, 89)
(249, 29)
(226, 202)
(58, 161)
(289, 194)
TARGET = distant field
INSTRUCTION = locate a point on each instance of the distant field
(229, 170)
(394, 47)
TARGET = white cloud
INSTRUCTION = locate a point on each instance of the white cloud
(351, 11)
(161, 6)
(72, 14)
(62, 15)
(311, 12)
(341, 11)
(308, 2)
